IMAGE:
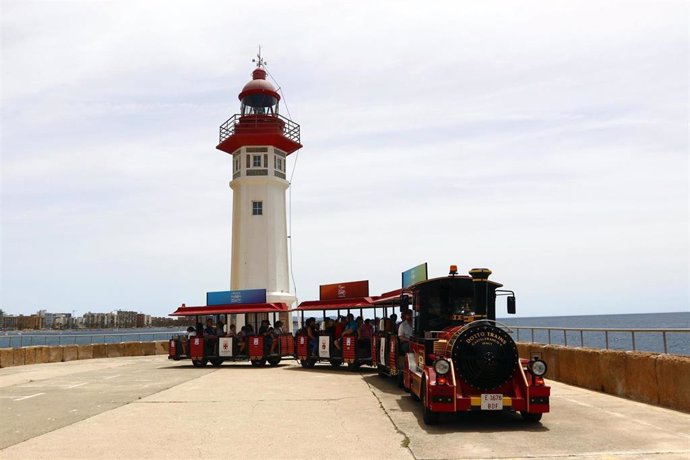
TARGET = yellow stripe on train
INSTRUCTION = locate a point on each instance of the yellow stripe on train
(477, 401)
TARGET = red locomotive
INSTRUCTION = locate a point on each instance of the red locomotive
(457, 357)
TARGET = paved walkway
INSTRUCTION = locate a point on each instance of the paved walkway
(150, 407)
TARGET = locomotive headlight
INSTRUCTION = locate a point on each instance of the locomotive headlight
(537, 367)
(441, 366)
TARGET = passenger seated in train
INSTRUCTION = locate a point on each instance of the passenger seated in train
(339, 327)
(232, 331)
(350, 329)
(245, 331)
(312, 335)
(209, 330)
(365, 332)
(394, 322)
(389, 324)
(276, 333)
(220, 328)
(210, 337)
(329, 327)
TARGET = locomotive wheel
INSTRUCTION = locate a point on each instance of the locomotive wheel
(336, 362)
(531, 417)
(273, 361)
(430, 417)
(216, 362)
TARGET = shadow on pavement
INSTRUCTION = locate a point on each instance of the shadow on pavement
(328, 369)
(229, 365)
(464, 422)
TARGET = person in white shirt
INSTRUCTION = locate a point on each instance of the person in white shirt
(405, 331)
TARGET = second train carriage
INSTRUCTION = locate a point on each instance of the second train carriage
(329, 344)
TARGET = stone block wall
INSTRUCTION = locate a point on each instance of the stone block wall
(646, 377)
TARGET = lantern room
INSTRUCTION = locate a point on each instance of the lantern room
(258, 97)
(259, 123)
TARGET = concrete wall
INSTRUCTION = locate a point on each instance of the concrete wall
(55, 354)
(645, 377)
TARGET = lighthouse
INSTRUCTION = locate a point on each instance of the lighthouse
(260, 140)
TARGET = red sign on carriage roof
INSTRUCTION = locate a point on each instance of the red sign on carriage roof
(344, 290)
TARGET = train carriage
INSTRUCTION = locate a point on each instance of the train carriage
(326, 344)
(257, 348)
(322, 348)
(458, 357)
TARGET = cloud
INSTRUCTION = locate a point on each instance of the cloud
(546, 140)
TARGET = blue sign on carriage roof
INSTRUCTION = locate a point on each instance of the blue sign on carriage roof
(235, 297)
(414, 275)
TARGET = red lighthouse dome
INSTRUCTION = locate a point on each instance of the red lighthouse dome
(259, 122)
(259, 93)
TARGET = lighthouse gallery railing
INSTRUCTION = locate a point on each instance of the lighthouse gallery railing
(291, 129)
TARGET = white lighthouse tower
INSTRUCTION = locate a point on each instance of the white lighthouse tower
(260, 140)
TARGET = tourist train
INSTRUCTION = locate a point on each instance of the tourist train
(448, 352)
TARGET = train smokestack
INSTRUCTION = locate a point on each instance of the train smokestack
(482, 306)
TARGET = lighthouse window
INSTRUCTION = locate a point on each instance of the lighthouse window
(257, 208)
(256, 161)
(249, 159)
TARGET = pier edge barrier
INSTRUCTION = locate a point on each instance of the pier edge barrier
(641, 376)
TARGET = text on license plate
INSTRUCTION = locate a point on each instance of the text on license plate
(492, 402)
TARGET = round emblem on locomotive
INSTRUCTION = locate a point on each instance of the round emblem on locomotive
(485, 356)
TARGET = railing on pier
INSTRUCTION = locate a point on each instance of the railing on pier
(27, 340)
(291, 130)
(614, 338)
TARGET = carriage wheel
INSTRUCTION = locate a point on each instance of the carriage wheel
(308, 363)
(353, 367)
(273, 360)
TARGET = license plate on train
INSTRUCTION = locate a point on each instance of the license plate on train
(492, 402)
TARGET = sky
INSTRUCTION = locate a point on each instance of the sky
(545, 140)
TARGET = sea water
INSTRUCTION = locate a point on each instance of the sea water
(677, 342)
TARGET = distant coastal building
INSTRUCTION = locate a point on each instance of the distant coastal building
(126, 319)
(22, 322)
(99, 320)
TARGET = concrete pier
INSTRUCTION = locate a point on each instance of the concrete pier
(150, 407)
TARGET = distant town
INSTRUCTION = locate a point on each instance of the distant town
(120, 319)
